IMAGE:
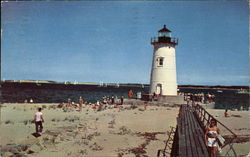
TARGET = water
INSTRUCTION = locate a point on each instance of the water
(56, 93)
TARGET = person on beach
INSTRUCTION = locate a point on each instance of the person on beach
(130, 94)
(112, 100)
(38, 118)
(69, 102)
(228, 115)
(211, 137)
(122, 98)
(145, 105)
(80, 103)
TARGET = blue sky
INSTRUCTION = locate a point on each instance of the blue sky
(109, 41)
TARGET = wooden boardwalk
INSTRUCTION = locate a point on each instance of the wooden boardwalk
(191, 139)
(189, 136)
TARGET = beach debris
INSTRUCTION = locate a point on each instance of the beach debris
(96, 147)
(67, 109)
(48, 141)
(140, 109)
(124, 130)
(9, 122)
(35, 148)
(71, 119)
(54, 133)
(111, 124)
(238, 139)
(61, 105)
(91, 136)
(25, 122)
(149, 135)
(14, 150)
(140, 150)
(30, 152)
(52, 107)
(23, 147)
(83, 152)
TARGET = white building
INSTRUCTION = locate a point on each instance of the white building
(163, 73)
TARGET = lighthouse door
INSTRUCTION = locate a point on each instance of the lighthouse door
(159, 89)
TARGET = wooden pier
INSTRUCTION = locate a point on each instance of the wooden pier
(189, 136)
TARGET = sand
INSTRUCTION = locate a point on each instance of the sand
(110, 132)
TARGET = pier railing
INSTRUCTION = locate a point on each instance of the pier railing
(204, 119)
(168, 145)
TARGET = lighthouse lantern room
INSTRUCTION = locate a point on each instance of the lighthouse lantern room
(163, 73)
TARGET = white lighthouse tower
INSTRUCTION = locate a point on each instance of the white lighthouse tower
(163, 74)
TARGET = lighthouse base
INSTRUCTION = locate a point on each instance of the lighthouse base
(164, 99)
(167, 99)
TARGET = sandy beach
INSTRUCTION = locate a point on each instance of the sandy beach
(67, 132)
(111, 132)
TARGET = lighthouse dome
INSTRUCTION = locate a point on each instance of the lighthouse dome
(164, 32)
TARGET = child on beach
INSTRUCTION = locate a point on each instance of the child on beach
(211, 137)
(38, 118)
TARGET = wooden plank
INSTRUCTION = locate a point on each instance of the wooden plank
(187, 135)
(195, 147)
(197, 150)
(201, 138)
(196, 135)
(182, 141)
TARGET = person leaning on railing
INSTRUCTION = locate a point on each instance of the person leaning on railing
(211, 134)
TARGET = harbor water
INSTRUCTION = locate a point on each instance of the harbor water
(56, 93)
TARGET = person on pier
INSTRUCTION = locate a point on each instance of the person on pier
(211, 134)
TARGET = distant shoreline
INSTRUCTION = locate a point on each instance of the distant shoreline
(39, 83)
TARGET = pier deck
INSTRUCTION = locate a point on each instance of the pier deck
(189, 138)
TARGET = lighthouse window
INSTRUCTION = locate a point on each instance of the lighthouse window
(160, 61)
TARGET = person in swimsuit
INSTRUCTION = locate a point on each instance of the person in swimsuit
(211, 137)
(232, 115)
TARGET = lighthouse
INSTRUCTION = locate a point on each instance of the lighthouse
(163, 73)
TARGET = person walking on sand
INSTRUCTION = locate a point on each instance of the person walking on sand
(80, 103)
(38, 118)
(211, 134)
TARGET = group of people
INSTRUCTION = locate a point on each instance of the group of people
(112, 100)
(104, 103)
(199, 97)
